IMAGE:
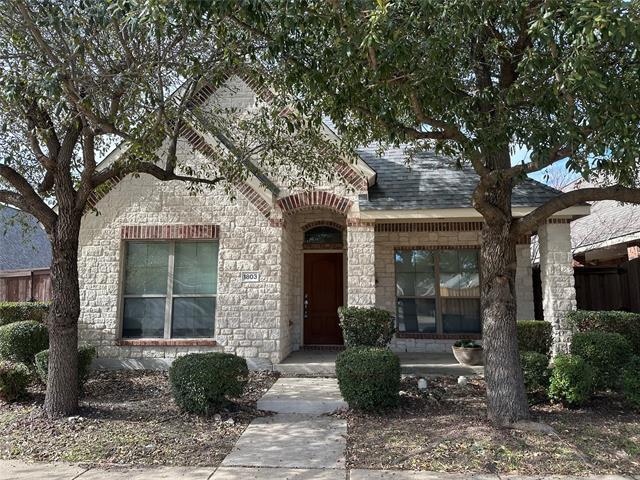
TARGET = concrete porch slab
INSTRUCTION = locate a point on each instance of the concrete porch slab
(322, 363)
(246, 473)
(303, 395)
(291, 441)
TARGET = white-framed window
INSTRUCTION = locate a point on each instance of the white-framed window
(438, 291)
(169, 289)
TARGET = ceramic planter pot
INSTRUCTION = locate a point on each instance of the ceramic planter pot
(468, 356)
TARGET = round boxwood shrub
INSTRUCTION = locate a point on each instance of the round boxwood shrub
(631, 381)
(535, 368)
(366, 327)
(626, 324)
(534, 336)
(203, 382)
(369, 378)
(14, 380)
(86, 354)
(571, 380)
(606, 352)
(20, 341)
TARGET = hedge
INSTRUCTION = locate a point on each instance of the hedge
(607, 353)
(369, 378)
(535, 368)
(625, 323)
(366, 327)
(86, 354)
(202, 383)
(534, 336)
(20, 311)
(20, 341)
(631, 382)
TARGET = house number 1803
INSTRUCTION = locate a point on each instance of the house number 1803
(250, 276)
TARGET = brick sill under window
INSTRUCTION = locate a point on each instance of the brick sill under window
(435, 336)
(166, 342)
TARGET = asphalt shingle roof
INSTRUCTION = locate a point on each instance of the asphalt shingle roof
(431, 181)
(23, 242)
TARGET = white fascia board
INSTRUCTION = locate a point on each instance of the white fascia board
(458, 213)
(631, 237)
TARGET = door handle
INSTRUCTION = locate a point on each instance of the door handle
(306, 305)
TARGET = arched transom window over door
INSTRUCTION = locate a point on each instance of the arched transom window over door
(323, 235)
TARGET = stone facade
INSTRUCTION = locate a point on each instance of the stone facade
(262, 231)
(558, 291)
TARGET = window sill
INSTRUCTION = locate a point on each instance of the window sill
(436, 336)
(166, 342)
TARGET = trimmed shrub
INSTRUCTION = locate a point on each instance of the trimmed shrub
(625, 323)
(534, 336)
(86, 354)
(535, 368)
(20, 341)
(571, 380)
(366, 327)
(631, 381)
(606, 352)
(203, 382)
(369, 378)
(11, 312)
(14, 380)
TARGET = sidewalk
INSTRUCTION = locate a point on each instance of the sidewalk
(16, 470)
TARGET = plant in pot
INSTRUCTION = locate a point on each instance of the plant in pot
(468, 352)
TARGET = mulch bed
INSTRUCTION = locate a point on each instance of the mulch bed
(447, 430)
(127, 417)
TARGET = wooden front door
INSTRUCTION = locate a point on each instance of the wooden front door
(323, 294)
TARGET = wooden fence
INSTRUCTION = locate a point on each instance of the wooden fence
(25, 285)
(600, 288)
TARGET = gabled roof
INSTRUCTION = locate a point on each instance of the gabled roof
(431, 181)
(610, 223)
(23, 242)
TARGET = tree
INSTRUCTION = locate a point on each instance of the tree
(78, 78)
(471, 79)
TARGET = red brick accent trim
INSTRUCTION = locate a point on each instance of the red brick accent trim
(166, 342)
(438, 247)
(99, 193)
(278, 222)
(331, 348)
(524, 239)
(430, 227)
(359, 222)
(169, 232)
(308, 200)
(354, 178)
(435, 336)
(322, 223)
(322, 246)
(558, 220)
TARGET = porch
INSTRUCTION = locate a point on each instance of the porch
(322, 363)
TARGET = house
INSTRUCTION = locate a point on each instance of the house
(606, 252)
(164, 272)
(25, 257)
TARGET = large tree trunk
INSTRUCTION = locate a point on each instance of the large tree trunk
(62, 382)
(506, 395)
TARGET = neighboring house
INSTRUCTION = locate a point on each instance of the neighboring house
(606, 251)
(25, 257)
(164, 272)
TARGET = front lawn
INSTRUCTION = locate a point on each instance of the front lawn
(127, 417)
(447, 430)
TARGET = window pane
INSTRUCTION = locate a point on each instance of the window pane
(404, 261)
(449, 261)
(405, 284)
(193, 317)
(461, 315)
(425, 285)
(416, 315)
(146, 268)
(143, 318)
(195, 268)
(423, 261)
(323, 235)
(469, 260)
